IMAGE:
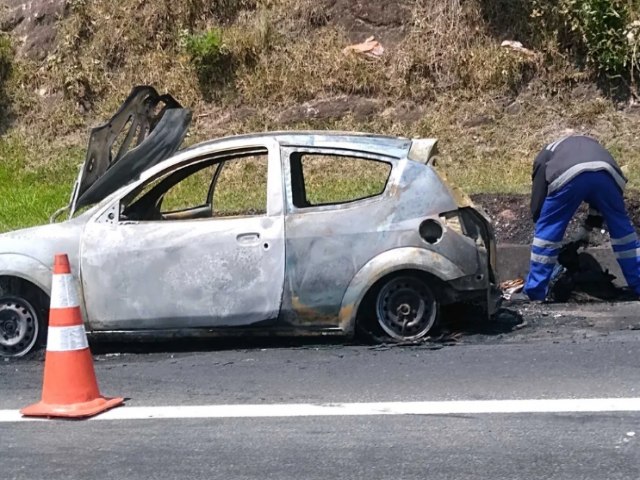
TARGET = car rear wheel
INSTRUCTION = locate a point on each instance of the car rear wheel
(22, 325)
(406, 308)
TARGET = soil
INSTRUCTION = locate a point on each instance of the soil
(512, 221)
(331, 109)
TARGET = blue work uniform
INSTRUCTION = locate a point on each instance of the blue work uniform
(567, 172)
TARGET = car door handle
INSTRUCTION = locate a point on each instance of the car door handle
(250, 238)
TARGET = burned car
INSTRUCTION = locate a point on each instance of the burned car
(249, 234)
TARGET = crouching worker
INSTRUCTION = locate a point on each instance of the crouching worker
(567, 172)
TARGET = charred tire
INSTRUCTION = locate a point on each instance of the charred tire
(406, 308)
(23, 326)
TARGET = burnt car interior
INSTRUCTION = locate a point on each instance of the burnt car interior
(206, 177)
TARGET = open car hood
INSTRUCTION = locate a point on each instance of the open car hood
(147, 129)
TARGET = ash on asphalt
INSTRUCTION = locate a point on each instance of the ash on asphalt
(513, 323)
(102, 346)
(459, 324)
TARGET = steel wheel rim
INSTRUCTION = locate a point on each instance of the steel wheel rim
(18, 327)
(405, 308)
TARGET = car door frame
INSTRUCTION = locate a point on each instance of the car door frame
(302, 306)
(275, 207)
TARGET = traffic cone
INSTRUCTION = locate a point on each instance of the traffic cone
(70, 388)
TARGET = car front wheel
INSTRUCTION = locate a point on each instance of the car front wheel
(406, 308)
(22, 325)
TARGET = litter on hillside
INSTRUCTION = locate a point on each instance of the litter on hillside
(517, 46)
(370, 47)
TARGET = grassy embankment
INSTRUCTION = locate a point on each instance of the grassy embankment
(246, 65)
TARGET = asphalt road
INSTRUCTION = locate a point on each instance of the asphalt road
(559, 354)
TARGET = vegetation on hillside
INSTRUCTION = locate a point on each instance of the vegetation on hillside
(248, 65)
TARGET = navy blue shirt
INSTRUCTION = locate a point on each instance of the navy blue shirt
(563, 160)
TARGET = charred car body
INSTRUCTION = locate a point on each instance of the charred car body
(155, 251)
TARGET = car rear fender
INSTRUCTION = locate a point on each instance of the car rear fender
(406, 258)
(27, 268)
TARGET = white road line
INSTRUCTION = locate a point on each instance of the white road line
(469, 407)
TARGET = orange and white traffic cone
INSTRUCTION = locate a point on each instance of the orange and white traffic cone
(70, 387)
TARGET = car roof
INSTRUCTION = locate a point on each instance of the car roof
(368, 142)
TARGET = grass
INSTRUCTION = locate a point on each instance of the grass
(29, 195)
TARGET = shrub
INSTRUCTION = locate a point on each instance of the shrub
(220, 55)
(594, 31)
(212, 61)
(204, 46)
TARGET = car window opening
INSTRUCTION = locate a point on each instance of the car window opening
(330, 179)
(229, 185)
